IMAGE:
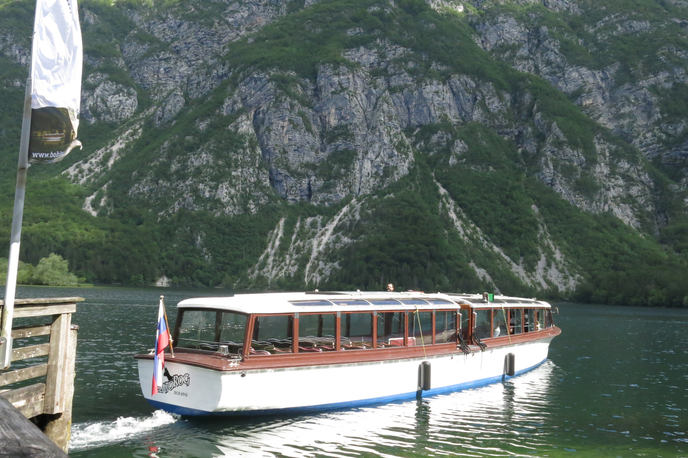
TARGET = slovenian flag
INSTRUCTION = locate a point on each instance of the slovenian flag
(162, 340)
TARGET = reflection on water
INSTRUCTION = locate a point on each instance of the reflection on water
(615, 384)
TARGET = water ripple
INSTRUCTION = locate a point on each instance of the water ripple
(607, 391)
(98, 434)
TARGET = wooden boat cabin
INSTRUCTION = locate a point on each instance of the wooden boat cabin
(260, 327)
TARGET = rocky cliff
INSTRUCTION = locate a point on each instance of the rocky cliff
(313, 118)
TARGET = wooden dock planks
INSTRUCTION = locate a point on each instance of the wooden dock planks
(35, 419)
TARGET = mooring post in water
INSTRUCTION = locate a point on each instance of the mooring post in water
(15, 238)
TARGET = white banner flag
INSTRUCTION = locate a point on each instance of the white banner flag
(56, 65)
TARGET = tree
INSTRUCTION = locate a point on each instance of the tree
(53, 271)
(24, 272)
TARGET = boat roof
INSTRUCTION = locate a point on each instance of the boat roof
(318, 302)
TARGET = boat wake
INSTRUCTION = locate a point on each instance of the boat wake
(97, 434)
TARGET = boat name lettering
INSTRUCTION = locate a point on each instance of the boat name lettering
(174, 382)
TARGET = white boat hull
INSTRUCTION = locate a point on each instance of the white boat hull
(196, 390)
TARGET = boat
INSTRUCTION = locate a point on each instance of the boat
(285, 353)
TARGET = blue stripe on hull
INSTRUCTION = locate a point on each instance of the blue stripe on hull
(185, 411)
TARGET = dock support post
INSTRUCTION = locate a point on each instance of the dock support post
(59, 426)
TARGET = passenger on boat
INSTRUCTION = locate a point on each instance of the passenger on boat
(500, 329)
(390, 287)
(515, 322)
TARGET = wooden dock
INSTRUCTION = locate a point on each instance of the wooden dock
(36, 392)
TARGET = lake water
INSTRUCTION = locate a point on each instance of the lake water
(615, 385)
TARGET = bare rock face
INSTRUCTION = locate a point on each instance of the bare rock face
(233, 180)
(621, 187)
(350, 102)
(161, 73)
(169, 108)
(346, 138)
(561, 6)
(16, 49)
(348, 131)
(345, 130)
(186, 57)
(108, 102)
(630, 110)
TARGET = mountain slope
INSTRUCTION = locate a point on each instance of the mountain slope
(512, 146)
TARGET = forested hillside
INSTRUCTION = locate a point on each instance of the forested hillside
(522, 147)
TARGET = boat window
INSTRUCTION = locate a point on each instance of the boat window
(464, 324)
(272, 334)
(482, 323)
(390, 329)
(549, 321)
(197, 330)
(540, 319)
(317, 332)
(516, 321)
(350, 302)
(357, 331)
(206, 329)
(445, 326)
(232, 330)
(420, 328)
(530, 322)
(321, 302)
(273, 327)
(499, 323)
(384, 302)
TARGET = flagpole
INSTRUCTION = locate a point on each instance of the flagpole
(15, 238)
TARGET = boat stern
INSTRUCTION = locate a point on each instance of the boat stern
(183, 390)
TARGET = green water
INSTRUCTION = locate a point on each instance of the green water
(615, 385)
